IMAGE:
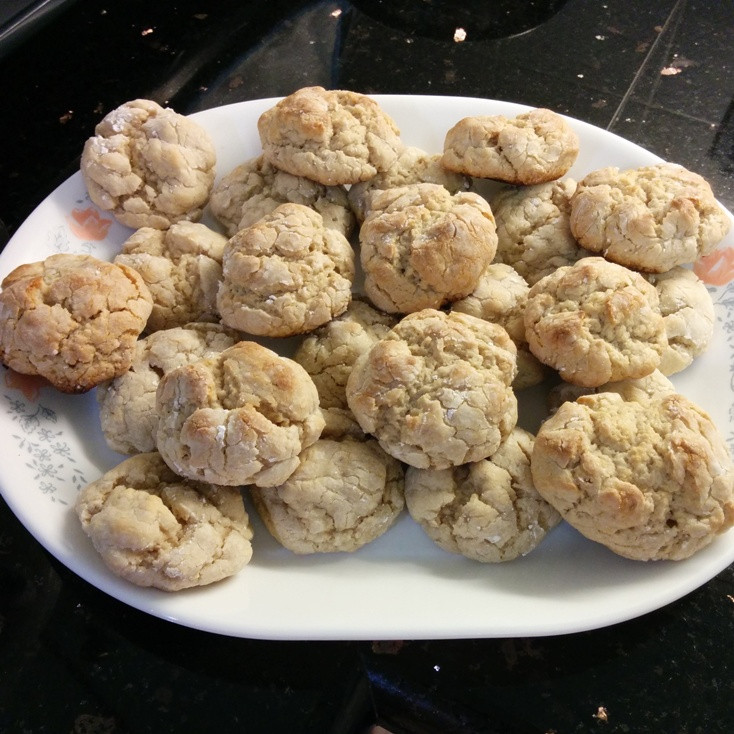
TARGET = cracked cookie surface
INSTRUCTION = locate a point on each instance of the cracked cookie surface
(287, 274)
(239, 417)
(422, 247)
(153, 528)
(148, 165)
(595, 322)
(531, 148)
(72, 319)
(436, 391)
(650, 480)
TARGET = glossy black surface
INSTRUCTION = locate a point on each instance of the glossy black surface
(74, 660)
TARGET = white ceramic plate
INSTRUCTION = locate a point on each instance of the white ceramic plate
(401, 586)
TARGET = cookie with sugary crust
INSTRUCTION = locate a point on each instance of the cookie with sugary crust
(500, 296)
(649, 218)
(72, 319)
(329, 353)
(154, 528)
(436, 391)
(333, 137)
(531, 148)
(127, 403)
(148, 165)
(182, 267)
(688, 313)
(650, 480)
(595, 322)
(239, 417)
(534, 230)
(287, 274)
(344, 494)
(487, 510)
(412, 166)
(650, 387)
(422, 247)
(254, 188)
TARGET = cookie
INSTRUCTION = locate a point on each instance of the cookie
(534, 229)
(285, 275)
(72, 319)
(254, 188)
(182, 267)
(127, 403)
(650, 387)
(487, 510)
(343, 495)
(421, 247)
(595, 322)
(650, 480)
(239, 417)
(688, 313)
(329, 353)
(153, 528)
(500, 297)
(148, 165)
(532, 148)
(650, 218)
(436, 391)
(412, 166)
(333, 137)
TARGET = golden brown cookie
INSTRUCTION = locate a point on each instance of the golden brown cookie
(242, 416)
(595, 322)
(436, 391)
(254, 188)
(421, 247)
(154, 528)
(148, 165)
(182, 267)
(286, 274)
(650, 218)
(532, 148)
(344, 494)
(487, 510)
(333, 137)
(650, 480)
(72, 319)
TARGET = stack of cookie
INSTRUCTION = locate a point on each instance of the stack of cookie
(419, 308)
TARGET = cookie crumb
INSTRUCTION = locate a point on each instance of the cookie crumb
(459, 35)
(601, 714)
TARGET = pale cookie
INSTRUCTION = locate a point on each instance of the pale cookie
(650, 387)
(422, 247)
(254, 188)
(332, 137)
(595, 322)
(287, 274)
(436, 391)
(650, 218)
(329, 353)
(72, 319)
(532, 148)
(148, 165)
(487, 510)
(242, 416)
(500, 297)
(412, 166)
(127, 404)
(343, 495)
(688, 313)
(650, 480)
(534, 229)
(154, 528)
(182, 267)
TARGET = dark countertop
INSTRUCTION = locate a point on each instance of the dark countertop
(74, 660)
